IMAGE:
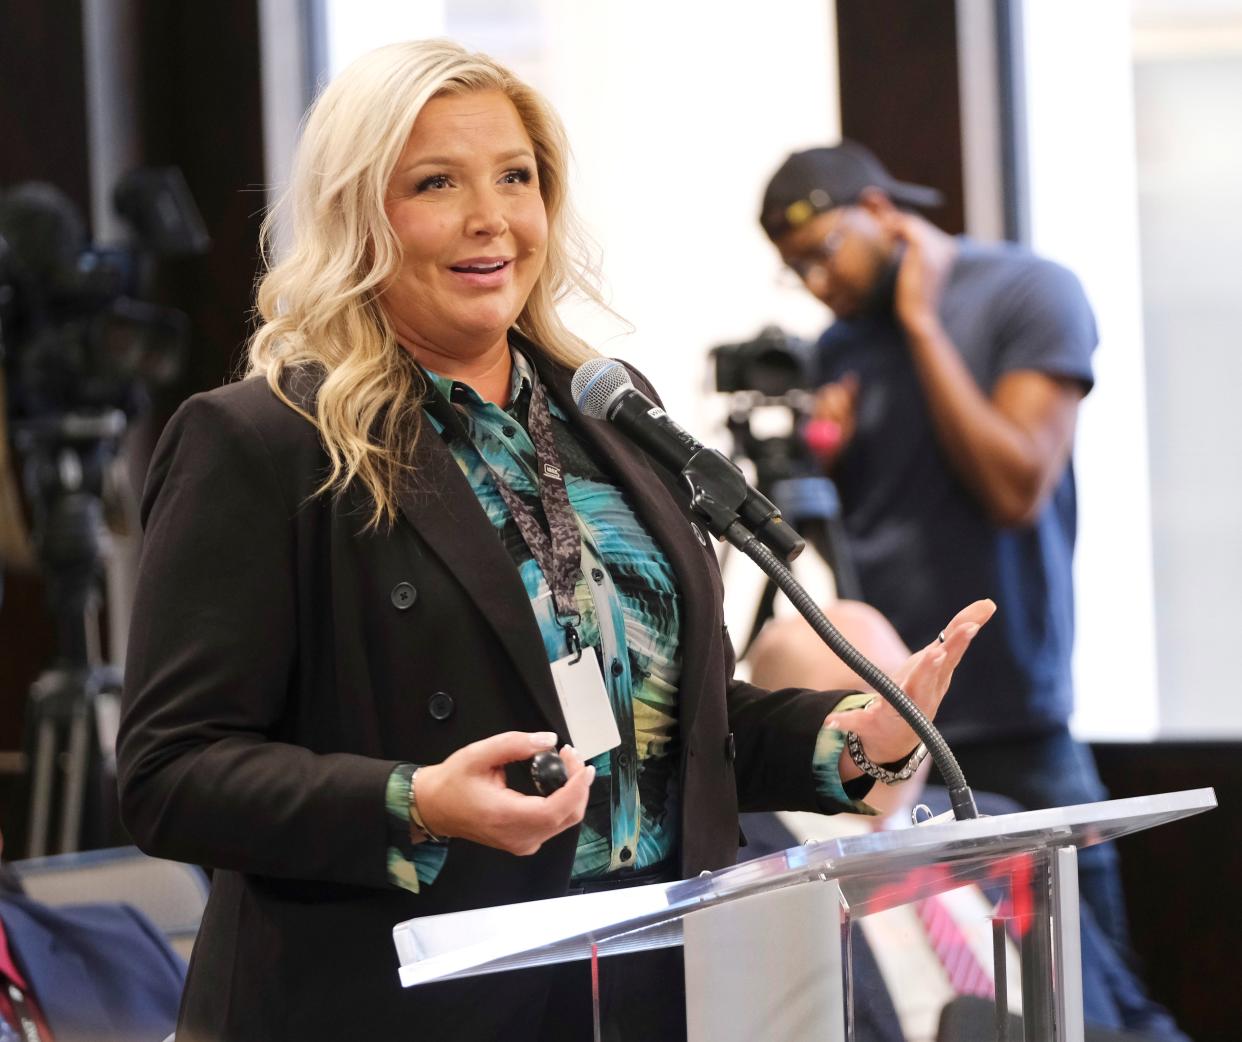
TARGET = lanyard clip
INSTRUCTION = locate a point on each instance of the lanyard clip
(573, 642)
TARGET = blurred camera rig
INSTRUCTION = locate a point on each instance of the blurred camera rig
(79, 348)
(774, 369)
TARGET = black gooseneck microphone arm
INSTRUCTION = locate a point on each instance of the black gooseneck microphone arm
(713, 504)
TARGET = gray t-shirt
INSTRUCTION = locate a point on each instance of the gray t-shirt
(923, 546)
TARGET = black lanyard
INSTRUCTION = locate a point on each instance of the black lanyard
(558, 550)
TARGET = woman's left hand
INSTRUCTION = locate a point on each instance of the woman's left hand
(885, 736)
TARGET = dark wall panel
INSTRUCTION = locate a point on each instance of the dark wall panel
(1181, 880)
(42, 97)
(899, 92)
(202, 111)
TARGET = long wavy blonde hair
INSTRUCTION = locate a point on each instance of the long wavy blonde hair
(319, 304)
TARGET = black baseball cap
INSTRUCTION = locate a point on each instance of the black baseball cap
(810, 182)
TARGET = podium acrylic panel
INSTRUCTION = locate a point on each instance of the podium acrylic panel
(920, 942)
(874, 871)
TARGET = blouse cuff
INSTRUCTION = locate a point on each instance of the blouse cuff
(409, 864)
(835, 796)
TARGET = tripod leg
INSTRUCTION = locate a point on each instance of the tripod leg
(75, 782)
(763, 612)
(41, 794)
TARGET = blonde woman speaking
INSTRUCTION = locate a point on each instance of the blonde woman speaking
(373, 570)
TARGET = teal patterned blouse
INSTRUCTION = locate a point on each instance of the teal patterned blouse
(631, 615)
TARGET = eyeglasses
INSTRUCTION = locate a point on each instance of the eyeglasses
(816, 258)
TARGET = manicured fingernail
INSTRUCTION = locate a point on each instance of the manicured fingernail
(590, 773)
(568, 749)
(544, 739)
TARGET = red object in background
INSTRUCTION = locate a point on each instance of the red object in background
(822, 437)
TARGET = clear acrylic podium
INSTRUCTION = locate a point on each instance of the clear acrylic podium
(767, 942)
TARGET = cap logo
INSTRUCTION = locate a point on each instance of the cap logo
(799, 212)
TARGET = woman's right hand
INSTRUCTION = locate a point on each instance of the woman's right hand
(466, 796)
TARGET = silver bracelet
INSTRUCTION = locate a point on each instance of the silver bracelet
(883, 774)
(416, 819)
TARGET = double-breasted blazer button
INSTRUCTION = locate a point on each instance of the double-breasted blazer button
(440, 705)
(403, 596)
(730, 748)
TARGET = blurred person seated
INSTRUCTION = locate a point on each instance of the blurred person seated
(95, 972)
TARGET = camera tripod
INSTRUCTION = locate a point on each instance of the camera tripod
(810, 505)
(807, 500)
(66, 458)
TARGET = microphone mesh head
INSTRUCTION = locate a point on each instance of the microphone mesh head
(596, 383)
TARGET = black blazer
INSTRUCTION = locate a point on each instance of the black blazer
(277, 672)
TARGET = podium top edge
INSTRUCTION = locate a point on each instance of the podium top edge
(488, 939)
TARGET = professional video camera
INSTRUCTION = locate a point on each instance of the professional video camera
(774, 370)
(78, 350)
(74, 334)
(774, 364)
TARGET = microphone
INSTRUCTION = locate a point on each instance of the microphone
(719, 493)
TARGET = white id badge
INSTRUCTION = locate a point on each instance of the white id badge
(584, 701)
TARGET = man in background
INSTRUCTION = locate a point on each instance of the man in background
(952, 376)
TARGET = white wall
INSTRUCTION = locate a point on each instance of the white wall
(1188, 92)
(1080, 120)
(978, 88)
(678, 114)
(353, 27)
